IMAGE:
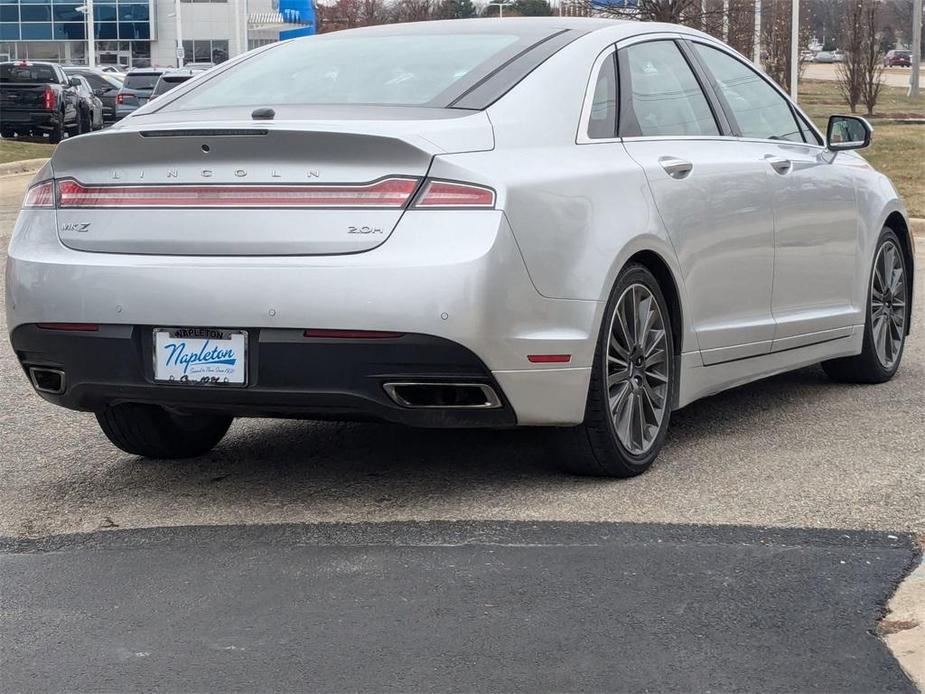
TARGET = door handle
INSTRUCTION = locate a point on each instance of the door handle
(779, 164)
(676, 168)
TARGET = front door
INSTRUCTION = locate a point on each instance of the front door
(712, 195)
(815, 213)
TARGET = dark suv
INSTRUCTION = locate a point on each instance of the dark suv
(136, 90)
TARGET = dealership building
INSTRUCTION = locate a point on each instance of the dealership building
(140, 33)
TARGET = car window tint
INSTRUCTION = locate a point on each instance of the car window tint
(339, 68)
(27, 73)
(758, 108)
(665, 97)
(603, 118)
(143, 81)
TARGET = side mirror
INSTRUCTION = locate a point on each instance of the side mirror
(847, 132)
(74, 82)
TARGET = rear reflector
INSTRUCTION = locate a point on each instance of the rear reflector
(82, 327)
(386, 193)
(40, 195)
(549, 358)
(451, 194)
(351, 334)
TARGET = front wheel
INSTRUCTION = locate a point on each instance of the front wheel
(153, 432)
(632, 383)
(886, 322)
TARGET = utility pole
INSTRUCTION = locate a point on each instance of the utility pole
(500, 5)
(916, 47)
(795, 48)
(756, 43)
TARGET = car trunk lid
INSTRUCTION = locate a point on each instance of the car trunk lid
(240, 188)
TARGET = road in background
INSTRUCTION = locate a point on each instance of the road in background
(892, 76)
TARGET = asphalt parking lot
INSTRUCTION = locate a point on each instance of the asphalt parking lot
(791, 451)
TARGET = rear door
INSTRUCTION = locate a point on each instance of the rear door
(711, 192)
(815, 212)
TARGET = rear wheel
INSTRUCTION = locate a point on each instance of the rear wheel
(84, 123)
(57, 133)
(632, 384)
(886, 321)
(153, 432)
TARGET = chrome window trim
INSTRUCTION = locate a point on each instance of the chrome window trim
(584, 119)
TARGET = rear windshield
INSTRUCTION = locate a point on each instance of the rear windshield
(412, 69)
(142, 81)
(166, 83)
(13, 73)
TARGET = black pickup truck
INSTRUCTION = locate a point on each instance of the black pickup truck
(37, 98)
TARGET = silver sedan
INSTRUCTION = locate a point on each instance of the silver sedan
(575, 223)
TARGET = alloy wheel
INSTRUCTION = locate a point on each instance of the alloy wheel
(637, 369)
(888, 304)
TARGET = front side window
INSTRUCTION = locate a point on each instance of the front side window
(602, 119)
(759, 110)
(663, 98)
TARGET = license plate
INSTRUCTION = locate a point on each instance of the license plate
(200, 356)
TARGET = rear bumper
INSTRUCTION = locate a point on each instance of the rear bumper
(42, 120)
(455, 277)
(289, 375)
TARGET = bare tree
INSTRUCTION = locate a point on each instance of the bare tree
(414, 10)
(860, 75)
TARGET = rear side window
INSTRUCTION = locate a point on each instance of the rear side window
(14, 73)
(401, 70)
(142, 81)
(661, 96)
(758, 109)
(602, 120)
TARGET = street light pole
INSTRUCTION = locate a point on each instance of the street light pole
(756, 44)
(91, 36)
(180, 54)
(87, 10)
(916, 47)
(795, 48)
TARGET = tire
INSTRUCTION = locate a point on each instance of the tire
(7, 134)
(57, 133)
(600, 446)
(879, 358)
(153, 432)
(84, 123)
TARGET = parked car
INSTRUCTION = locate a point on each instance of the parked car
(90, 107)
(825, 57)
(807, 56)
(173, 78)
(136, 90)
(105, 85)
(375, 223)
(897, 58)
(37, 99)
(118, 70)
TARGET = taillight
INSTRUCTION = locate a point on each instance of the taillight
(51, 99)
(120, 98)
(443, 194)
(389, 193)
(41, 195)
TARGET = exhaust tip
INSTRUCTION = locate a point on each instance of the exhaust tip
(47, 380)
(443, 395)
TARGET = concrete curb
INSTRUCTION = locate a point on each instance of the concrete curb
(903, 628)
(19, 168)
